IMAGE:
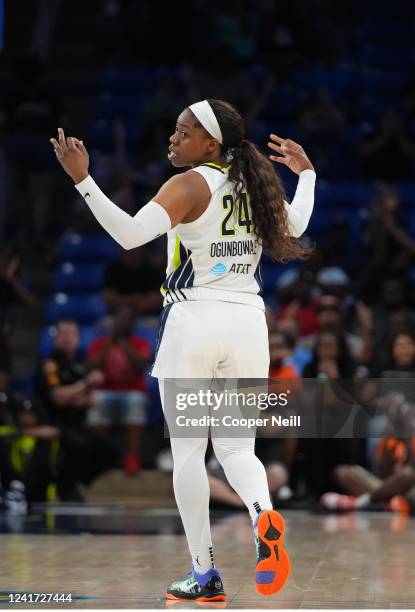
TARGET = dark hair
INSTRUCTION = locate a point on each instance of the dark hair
(388, 358)
(261, 181)
(345, 362)
(287, 339)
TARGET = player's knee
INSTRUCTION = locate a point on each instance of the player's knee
(231, 447)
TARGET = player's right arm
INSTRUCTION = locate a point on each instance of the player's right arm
(177, 198)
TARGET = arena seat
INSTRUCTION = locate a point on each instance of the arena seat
(113, 105)
(128, 78)
(78, 278)
(99, 248)
(85, 309)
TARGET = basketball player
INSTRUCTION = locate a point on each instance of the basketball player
(219, 215)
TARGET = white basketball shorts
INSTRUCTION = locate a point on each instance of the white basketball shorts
(212, 339)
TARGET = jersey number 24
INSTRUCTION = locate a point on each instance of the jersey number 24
(242, 219)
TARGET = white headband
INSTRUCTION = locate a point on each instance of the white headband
(205, 115)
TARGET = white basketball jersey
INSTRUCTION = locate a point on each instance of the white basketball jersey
(216, 257)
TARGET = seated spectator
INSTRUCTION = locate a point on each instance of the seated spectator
(388, 246)
(281, 348)
(12, 291)
(359, 341)
(133, 280)
(393, 487)
(297, 302)
(321, 125)
(28, 454)
(374, 151)
(399, 358)
(331, 362)
(301, 354)
(122, 396)
(393, 305)
(67, 391)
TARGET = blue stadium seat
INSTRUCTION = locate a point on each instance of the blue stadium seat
(407, 193)
(339, 193)
(84, 248)
(84, 309)
(87, 334)
(338, 80)
(78, 278)
(375, 80)
(128, 79)
(384, 56)
(283, 103)
(112, 105)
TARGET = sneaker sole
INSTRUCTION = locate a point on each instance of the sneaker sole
(273, 572)
(213, 598)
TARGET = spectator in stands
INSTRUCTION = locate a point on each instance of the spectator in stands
(390, 134)
(393, 483)
(122, 396)
(12, 291)
(295, 296)
(391, 308)
(389, 247)
(331, 358)
(301, 354)
(359, 340)
(321, 125)
(67, 391)
(134, 281)
(331, 362)
(28, 454)
(281, 349)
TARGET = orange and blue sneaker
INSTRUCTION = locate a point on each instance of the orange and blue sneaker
(273, 565)
(198, 587)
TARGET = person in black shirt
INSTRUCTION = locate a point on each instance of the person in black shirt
(134, 280)
(67, 390)
(12, 291)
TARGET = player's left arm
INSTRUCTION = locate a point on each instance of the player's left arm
(292, 155)
(174, 201)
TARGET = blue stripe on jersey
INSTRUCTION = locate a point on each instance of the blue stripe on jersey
(183, 276)
(163, 321)
(179, 277)
(258, 277)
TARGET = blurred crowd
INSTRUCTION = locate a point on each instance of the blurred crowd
(94, 407)
(312, 70)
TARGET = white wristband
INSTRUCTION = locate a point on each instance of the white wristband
(149, 223)
(300, 209)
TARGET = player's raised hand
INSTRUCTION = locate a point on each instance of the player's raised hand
(291, 154)
(72, 156)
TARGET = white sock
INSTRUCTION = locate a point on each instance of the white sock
(202, 558)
